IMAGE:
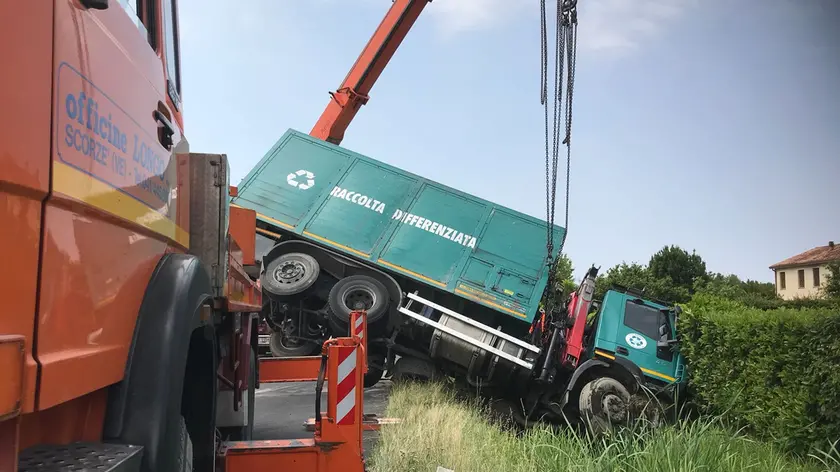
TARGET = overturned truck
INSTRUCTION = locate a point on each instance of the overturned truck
(451, 283)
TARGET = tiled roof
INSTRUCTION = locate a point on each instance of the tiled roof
(818, 255)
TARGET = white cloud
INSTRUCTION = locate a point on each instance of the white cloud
(456, 16)
(604, 25)
(610, 25)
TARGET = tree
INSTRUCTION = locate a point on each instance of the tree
(831, 289)
(750, 293)
(638, 277)
(682, 268)
(761, 289)
(563, 275)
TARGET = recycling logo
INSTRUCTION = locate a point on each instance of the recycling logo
(302, 179)
(636, 341)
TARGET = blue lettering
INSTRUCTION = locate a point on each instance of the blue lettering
(113, 133)
(82, 99)
(71, 106)
(134, 154)
(78, 142)
(147, 157)
(102, 132)
(118, 164)
(68, 135)
(99, 138)
(91, 110)
(101, 156)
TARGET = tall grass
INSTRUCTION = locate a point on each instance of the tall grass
(437, 429)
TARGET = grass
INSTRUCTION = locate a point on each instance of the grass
(438, 429)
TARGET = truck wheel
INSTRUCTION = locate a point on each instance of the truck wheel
(647, 409)
(604, 402)
(281, 347)
(374, 374)
(290, 274)
(413, 369)
(357, 292)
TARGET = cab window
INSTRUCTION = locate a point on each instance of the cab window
(642, 318)
(170, 39)
(140, 12)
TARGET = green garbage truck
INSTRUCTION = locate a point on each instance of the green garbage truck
(340, 230)
(451, 284)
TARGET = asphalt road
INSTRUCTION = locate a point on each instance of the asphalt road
(282, 409)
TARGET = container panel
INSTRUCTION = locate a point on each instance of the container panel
(515, 286)
(477, 272)
(358, 209)
(291, 180)
(524, 253)
(514, 246)
(435, 233)
(402, 222)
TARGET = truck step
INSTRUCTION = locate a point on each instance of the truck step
(81, 457)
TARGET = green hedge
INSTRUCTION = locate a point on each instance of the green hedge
(776, 372)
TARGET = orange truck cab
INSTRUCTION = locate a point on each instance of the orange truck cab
(128, 335)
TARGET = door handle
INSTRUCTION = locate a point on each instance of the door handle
(165, 134)
(622, 350)
(95, 4)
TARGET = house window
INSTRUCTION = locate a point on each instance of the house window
(801, 273)
(781, 280)
(816, 276)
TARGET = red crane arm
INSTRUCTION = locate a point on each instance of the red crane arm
(353, 93)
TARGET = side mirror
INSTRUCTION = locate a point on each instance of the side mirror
(667, 343)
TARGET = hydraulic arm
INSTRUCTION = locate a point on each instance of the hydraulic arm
(354, 90)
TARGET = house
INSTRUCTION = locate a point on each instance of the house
(802, 275)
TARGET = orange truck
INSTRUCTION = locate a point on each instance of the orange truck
(128, 337)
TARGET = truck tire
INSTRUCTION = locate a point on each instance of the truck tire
(374, 374)
(647, 409)
(290, 274)
(413, 369)
(357, 292)
(604, 402)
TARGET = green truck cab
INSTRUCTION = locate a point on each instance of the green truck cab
(641, 331)
(632, 340)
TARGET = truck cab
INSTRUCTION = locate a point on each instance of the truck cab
(128, 306)
(631, 329)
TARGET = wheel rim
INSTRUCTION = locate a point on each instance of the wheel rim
(282, 337)
(359, 298)
(290, 273)
(614, 408)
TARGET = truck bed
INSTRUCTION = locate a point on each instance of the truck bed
(401, 222)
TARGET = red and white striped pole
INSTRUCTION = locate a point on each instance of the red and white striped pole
(346, 384)
(342, 425)
(358, 324)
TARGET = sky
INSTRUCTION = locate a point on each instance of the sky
(712, 125)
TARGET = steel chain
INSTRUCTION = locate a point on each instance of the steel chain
(565, 61)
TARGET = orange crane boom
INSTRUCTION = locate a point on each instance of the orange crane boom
(354, 90)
